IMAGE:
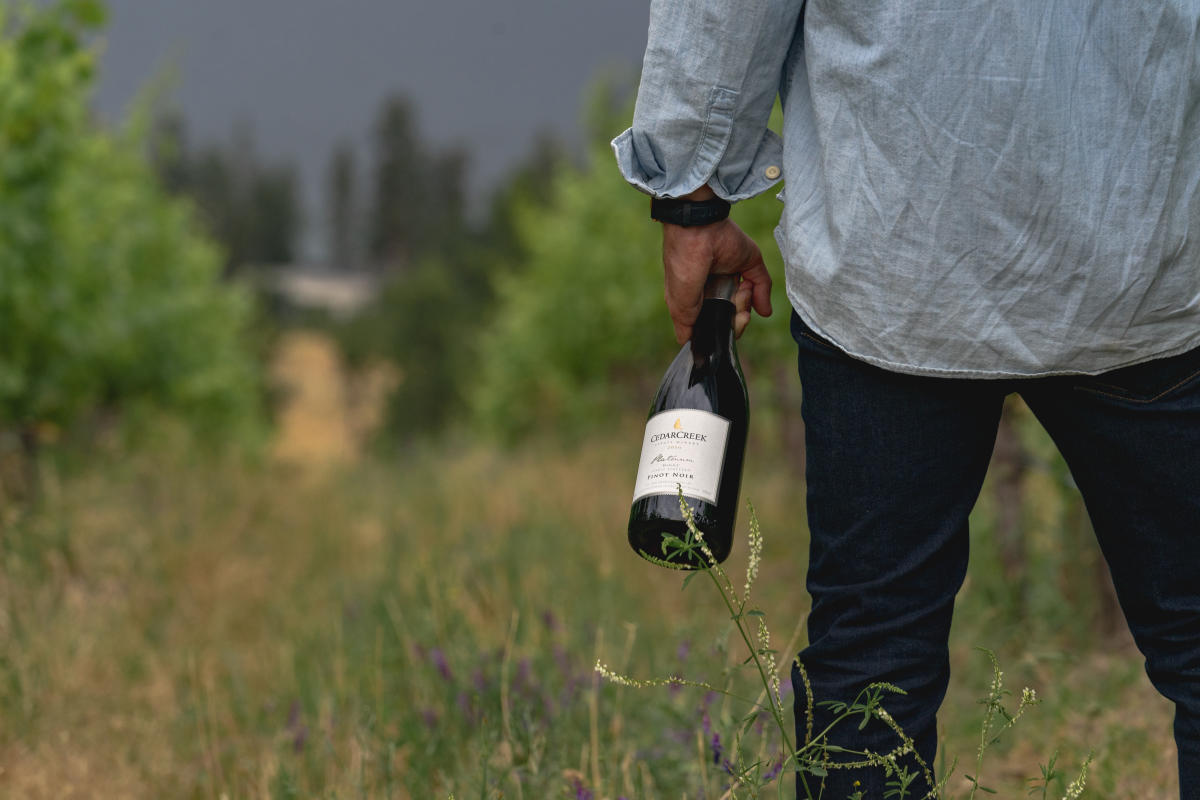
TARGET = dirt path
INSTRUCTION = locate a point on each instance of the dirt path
(327, 414)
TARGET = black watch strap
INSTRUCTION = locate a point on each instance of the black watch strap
(688, 213)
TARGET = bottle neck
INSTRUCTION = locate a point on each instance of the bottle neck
(713, 329)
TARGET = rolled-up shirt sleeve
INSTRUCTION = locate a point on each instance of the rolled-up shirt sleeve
(709, 80)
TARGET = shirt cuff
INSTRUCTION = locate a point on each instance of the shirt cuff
(731, 182)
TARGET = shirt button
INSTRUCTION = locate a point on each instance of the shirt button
(772, 172)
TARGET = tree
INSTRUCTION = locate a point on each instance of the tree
(418, 202)
(251, 208)
(341, 191)
(110, 298)
(399, 210)
(431, 314)
(531, 183)
(275, 214)
(584, 312)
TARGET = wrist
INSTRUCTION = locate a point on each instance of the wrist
(705, 192)
(701, 207)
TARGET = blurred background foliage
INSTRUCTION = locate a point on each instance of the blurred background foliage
(551, 312)
(402, 593)
(538, 316)
(109, 292)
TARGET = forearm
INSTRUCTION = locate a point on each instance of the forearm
(709, 81)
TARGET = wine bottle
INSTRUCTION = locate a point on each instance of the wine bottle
(695, 439)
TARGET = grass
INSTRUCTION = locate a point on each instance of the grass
(189, 627)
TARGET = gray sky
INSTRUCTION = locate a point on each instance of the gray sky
(305, 74)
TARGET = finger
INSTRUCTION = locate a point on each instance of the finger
(740, 320)
(760, 284)
(682, 332)
(684, 293)
(741, 298)
(741, 303)
(683, 310)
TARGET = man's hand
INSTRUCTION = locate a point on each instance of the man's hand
(691, 254)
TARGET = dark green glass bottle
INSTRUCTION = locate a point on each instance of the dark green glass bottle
(695, 438)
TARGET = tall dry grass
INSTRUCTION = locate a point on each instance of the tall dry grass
(174, 625)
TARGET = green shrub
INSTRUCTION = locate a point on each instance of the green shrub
(584, 311)
(109, 296)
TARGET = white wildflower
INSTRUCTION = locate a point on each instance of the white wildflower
(756, 543)
(1077, 785)
(764, 643)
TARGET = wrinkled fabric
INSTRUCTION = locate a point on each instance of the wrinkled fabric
(978, 189)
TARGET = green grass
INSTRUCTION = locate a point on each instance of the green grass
(178, 626)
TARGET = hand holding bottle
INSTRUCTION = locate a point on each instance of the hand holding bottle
(690, 255)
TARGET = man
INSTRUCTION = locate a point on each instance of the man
(982, 198)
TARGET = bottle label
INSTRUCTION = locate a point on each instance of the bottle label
(684, 447)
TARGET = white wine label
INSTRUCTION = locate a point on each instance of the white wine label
(683, 447)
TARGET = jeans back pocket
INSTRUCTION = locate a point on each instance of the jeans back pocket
(1149, 381)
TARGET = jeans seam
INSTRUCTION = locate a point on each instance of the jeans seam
(1139, 400)
(821, 342)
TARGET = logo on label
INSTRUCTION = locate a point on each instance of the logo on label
(678, 424)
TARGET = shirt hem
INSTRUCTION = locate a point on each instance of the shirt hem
(988, 374)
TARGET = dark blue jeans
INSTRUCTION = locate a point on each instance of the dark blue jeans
(895, 464)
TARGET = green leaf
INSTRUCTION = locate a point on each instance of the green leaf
(89, 13)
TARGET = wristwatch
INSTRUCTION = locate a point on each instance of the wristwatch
(688, 213)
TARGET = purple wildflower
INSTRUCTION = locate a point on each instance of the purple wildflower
(466, 707)
(479, 680)
(714, 739)
(550, 621)
(523, 672)
(581, 791)
(774, 771)
(296, 727)
(439, 661)
(293, 714)
(684, 650)
(562, 660)
(429, 717)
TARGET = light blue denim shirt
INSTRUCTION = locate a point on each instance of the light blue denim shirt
(974, 189)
